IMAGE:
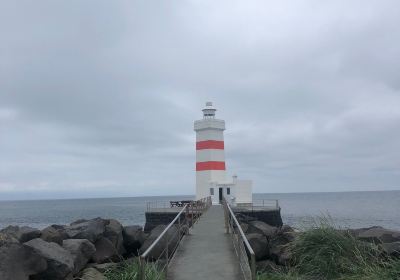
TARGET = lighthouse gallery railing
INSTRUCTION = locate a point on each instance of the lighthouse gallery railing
(240, 242)
(153, 263)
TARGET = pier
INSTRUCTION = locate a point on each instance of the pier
(203, 241)
(208, 252)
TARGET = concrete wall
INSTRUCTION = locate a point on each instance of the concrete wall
(154, 219)
(243, 191)
(271, 217)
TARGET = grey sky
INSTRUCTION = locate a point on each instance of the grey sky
(98, 98)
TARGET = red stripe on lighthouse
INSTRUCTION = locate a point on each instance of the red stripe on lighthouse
(210, 144)
(210, 165)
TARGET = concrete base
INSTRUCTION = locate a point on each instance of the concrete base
(269, 216)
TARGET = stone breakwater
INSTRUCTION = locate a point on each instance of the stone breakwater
(83, 249)
(270, 243)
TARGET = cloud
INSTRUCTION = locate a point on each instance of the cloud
(101, 101)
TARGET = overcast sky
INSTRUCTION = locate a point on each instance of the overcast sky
(98, 98)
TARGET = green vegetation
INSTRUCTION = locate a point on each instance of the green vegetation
(325, 253)
(129, 271)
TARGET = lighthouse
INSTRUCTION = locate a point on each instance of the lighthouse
(211, 177)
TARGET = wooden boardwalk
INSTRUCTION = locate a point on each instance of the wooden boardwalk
(207, 253)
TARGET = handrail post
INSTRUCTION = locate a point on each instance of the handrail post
(187, 218)
(191, 217)
(179, 227)
(166, 252)
(226, 218)
(253, 267)
(141, 268)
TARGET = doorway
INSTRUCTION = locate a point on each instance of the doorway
(220, 195)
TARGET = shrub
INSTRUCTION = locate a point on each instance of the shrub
(129, 271)
(324, 252)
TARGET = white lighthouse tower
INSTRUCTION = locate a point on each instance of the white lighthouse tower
(210, 163)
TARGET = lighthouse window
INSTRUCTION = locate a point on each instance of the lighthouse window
(211, 191)
(228, 190)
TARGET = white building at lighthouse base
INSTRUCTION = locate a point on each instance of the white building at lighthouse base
(235, 191)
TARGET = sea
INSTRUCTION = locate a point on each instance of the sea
(300, 210)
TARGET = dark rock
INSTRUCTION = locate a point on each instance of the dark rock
(282, 238)
(134, 238)
(286, 228)
(54, 233)
(6, 239)
(266, 266)
(262, 228)
(81, 250)
(281, 254)
(103, 267)
(113, 232)
(278, 246)
(242, 218)
(92, 274)
(105, 251)
(22, 234)
(79, 221)
(90, 230)
(19, 262)
(172, 235)
(392, 249)
(245, 227)
(259, 244)
(378, 235)
(60, 262)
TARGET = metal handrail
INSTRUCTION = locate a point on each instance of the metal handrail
(163, 204)
(144, 255)
(193, 210)
(249, 272)
(260, 204)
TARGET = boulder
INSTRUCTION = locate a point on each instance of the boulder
(172, 235)
(259, 244)
(245, 227)
(392, 249)
(90, 230)
(54, 233)
(242, 218)
(79, 221)
(81, 250)
(92, 274)
(286, 228)
(60, 263)
(282, 238)
(378, 235)
(113, 232)
(134, 238)
(6, 239)
(262, 228)
(105, 251)
(103, 267)
(19, 262)
(22, 234)
(281, 254)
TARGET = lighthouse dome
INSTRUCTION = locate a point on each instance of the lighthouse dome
(209, 111)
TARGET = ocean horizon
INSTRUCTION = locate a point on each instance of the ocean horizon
(353, 209)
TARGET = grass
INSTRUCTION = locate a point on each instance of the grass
(325, 253)
(129, 271)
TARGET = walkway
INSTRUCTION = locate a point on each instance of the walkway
(207, 253)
